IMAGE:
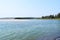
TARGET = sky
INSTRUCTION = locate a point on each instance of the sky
(29, 8)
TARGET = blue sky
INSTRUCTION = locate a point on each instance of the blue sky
(28, 8)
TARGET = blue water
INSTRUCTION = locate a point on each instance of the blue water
(30, 30)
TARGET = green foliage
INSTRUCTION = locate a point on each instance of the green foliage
(51, 16)
(58, 15)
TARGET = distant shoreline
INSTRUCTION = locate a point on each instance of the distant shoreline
(13, 20)
(25, 19)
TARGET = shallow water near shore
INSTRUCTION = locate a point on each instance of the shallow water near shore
(30, 30)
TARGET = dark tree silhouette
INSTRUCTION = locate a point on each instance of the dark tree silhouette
(48, 17)
(51, 16)
(58, 15)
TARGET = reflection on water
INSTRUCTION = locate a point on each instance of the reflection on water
(30, 30)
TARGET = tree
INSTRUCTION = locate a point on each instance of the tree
(51, 16)
(58, 15)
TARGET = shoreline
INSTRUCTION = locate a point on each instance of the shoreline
(25, 19)
(14, 20)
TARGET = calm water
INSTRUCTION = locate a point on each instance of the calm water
(30, 30)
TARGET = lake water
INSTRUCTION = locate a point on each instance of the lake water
(30, 30)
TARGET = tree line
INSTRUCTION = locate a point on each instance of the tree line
(51, 16)
(43, 17)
